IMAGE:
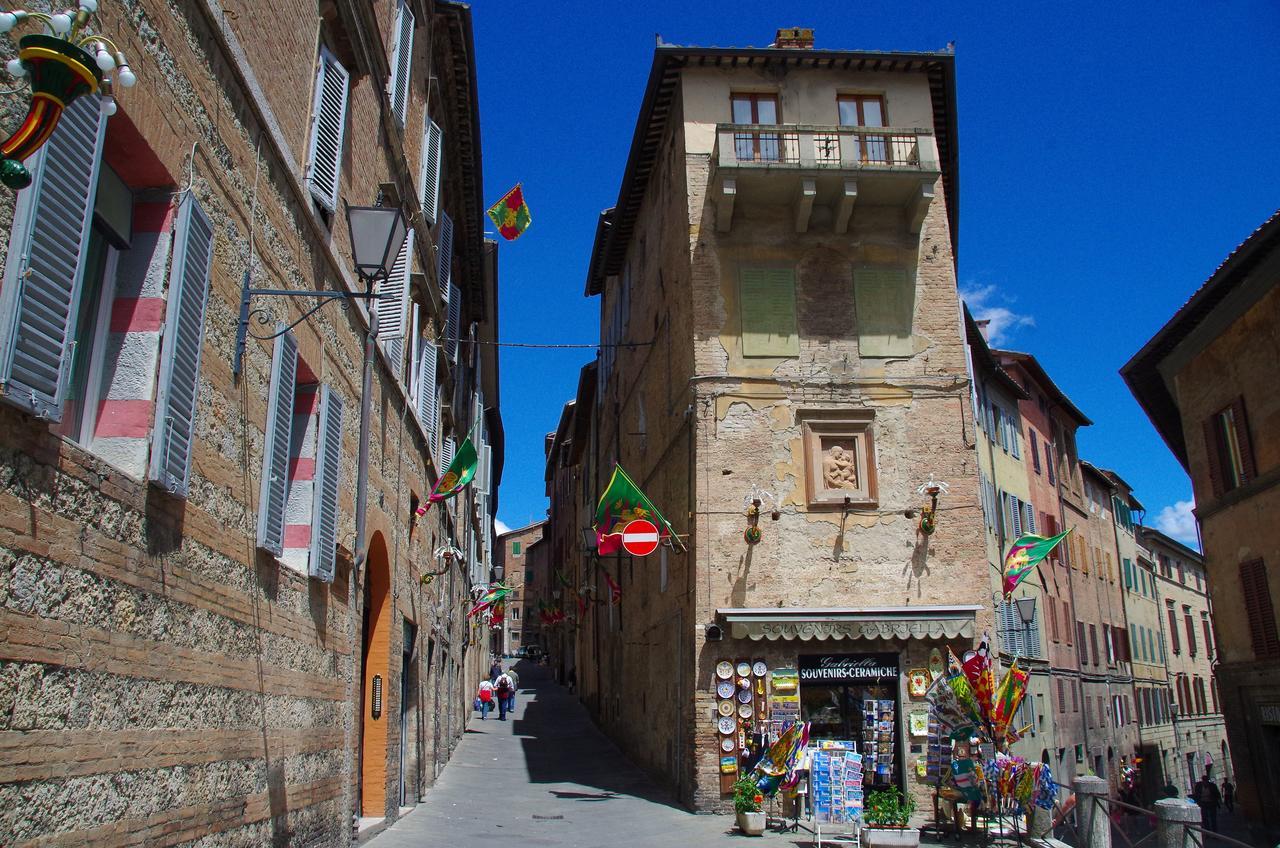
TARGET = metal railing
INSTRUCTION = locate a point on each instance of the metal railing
(827, 146)
(1128, 826)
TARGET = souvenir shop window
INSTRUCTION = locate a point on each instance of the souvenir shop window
(854, 699)
(839, 456)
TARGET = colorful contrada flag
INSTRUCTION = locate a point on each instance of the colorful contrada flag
(492, 596)
(511, 214)
(622, 503)
(460, 472)
(977, 668)
(1024, 555)
(1008, 697)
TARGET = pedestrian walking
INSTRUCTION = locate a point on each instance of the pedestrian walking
(515, 686)
(484, 699)
(1207, 796)
(494, 671)
(1228, 795)
(505, 689)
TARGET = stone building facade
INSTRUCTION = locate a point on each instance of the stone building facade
(781, 254)
(1204, 380)
(512, 556)
(1196, 741)
(192, 648)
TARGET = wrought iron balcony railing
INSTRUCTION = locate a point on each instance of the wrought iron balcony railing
(845, 148)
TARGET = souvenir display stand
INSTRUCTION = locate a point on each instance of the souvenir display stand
(836, 793)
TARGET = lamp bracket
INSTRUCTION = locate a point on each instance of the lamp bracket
(264, 318)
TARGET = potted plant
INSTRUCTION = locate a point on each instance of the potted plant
(887, 814)
(747, 800)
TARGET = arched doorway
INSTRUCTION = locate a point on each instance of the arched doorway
(375, 665)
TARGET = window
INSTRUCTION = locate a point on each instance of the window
(429, 173)
(1062, 696)
(1048, 463)
(1109, 643)
(1052, 606)
(1035, 450)
(1207, 629)
(1259, 610)
(515, 549)
(767, 303)
(839, 452)
(328, 127)
(866, 110)
(88, 312)
(1066, 620)
(1182, 573)
(884, 305)
(515, 613)
(1075, 696)
(393, 308)
(1173, 627)
(1018, 639)
(1093, 643)
(1191, 630)
(528, 575)
(754, 108)
(1230, 453)
(401, 61)
(1082, 646)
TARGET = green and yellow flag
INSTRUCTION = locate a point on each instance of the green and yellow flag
(511, 214)
(622, 503)
(1025, 554)
(461, 471)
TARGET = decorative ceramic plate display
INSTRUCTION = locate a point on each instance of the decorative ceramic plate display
(724, 669)
(744, 696)
(744, 683)
(744, 710)
(744, 669)
(725, 708)
(759, 668)
(724, 689)
(727, 744)
(727, 725)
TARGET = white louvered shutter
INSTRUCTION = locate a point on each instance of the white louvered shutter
(429, 172)
(401, 62)
(1015, 507)
(275, 449)
(455, 320)
(174, 431)
(428, 400)
(444, 255)
(41, 295)
(446, 452)
(324, 504)
(1029, 520)
(393, 307)
(415, 352)
(329, 120)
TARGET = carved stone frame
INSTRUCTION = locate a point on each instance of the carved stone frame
(820, 427)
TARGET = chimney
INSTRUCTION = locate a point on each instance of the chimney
(984, 325)
(794, 38)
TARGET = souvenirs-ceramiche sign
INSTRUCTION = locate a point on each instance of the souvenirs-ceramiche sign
(848, 668)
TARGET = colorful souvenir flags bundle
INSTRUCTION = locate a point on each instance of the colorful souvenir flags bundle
(952, 717)
(511, 214)
(775, 768)
(977, 668)
(1024, 555)
(1008, 697)
(461, 471)
(622, 503)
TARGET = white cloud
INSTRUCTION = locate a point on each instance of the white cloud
(1002, 320)
(1178, 522)
(500, 527)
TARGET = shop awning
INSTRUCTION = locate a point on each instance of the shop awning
(819, 623)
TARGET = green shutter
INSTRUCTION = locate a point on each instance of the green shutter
(515, 549)
(767, 300)
(885, 302)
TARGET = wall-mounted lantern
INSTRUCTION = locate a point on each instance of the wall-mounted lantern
(752, 503)
(63, 63)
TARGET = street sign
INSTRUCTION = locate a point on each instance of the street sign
(640, 537)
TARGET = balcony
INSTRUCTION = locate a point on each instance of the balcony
(836, 167)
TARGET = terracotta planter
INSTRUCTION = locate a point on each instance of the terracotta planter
(752, 824)
(891, 837)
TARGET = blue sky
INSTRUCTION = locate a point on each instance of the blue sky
(1111, 156)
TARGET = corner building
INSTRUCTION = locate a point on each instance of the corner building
(193, 646)
(782, 254)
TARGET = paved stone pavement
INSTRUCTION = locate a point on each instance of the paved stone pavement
(549, 777)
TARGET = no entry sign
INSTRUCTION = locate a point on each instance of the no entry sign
(640, 537)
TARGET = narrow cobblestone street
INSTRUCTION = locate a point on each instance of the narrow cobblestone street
(549, 777)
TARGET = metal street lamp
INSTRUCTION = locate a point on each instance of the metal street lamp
(499, 572)
(1026, 610)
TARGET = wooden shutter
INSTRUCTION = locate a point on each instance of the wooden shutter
(428, 400)
(324, 505)
(1259, 610)
(452, 329)
(47, 246)
(1029, 521)
(329, 119)
(1248, 469)
(172, 437)
(429, 173)
(767, 303)
(1015, 508)
(401, 62)
(1212, 435)
(393, 307)
(446, 452)
(275, 449)
(444, 256)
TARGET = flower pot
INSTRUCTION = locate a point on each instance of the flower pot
(752, 824)
(891, 837)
